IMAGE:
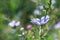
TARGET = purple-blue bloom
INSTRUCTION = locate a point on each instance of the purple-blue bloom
(44, 19)
(14, 23)
(41, 21)
(57, 26)
(35, 21)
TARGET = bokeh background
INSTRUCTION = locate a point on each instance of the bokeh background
(16, 15)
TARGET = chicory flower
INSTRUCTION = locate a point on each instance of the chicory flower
(41, 21)
(35, 21)
(14, 23)
(44, 19)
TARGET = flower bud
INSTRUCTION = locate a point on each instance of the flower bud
(29, 26)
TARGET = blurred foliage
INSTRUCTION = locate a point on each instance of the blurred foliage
(22, 10)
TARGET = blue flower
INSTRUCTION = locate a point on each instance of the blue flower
(35, 21)
(14, 23)
(44, 19)
(41, 21)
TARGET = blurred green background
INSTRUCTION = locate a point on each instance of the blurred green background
(22, 10)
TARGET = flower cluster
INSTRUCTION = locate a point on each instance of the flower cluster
(43, 19)
(37, 11)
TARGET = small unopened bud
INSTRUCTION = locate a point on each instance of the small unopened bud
(29, 26)
(21, 29)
